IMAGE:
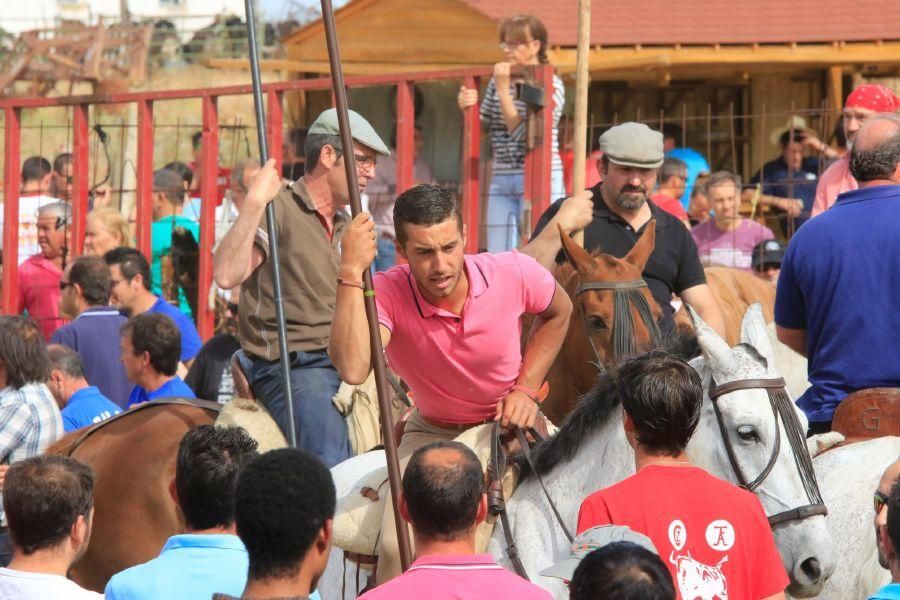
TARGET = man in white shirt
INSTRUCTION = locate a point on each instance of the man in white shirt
(49, 505)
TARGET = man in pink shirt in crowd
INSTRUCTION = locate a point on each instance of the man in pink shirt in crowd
(443, 499)
(728, 239)
(863, 103)
(40, 275)
(450, 324)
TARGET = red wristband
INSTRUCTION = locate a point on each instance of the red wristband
(530, 393)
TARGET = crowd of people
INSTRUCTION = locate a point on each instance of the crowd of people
(113, 329)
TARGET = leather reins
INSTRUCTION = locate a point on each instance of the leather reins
(783, 407)
(625, 295)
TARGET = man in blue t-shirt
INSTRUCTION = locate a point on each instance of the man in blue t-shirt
(131, 294)
(840, 280)
(150, 344)
(80, 404)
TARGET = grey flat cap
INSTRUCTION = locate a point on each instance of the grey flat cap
(360, 129)
(591, 539)
(633, 145)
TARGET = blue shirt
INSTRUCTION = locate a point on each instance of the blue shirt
(189, 567)
(840, 281)
(778, 180)
(696, 165)
(174, 388)
(889, 592)
(86, 407)
(190, 339)
(94, 335)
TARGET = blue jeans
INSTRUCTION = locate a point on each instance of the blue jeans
(387, 257)
(314, 381)
(505, 208)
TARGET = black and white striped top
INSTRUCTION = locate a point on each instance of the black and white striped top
(509, 147)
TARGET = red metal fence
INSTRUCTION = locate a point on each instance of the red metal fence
(537, 166)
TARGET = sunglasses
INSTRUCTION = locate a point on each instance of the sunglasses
(879, 501)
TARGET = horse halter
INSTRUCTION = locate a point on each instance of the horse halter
(625, 293)
(781, 406)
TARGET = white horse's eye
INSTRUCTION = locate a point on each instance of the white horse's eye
(748, 433)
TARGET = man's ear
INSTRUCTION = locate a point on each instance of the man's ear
(628, 426)
(173, 493)
(80, 531)
(404, 508)
(481, 514)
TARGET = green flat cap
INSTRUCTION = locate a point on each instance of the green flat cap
(360, 129)
(633, 145)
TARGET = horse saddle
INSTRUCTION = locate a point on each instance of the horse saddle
(867, 414)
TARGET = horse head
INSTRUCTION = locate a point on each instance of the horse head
(753, 435)
(610, 296)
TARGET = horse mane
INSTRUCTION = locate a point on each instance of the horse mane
(595, 408)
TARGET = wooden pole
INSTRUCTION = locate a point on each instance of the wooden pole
(582, 83)
(382, 385)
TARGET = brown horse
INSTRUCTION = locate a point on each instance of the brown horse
(133, 457)
(592, 328)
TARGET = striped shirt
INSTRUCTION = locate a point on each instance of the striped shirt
(509, 146)
(29, 423)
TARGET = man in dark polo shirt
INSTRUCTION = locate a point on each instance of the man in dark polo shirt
(310, 221)
(94, 330)
(840, 280)
(615, 212)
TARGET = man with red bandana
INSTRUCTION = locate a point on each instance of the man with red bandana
(864, 102)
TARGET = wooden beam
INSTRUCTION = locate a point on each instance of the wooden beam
(834, 96)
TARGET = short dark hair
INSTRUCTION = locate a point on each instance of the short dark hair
(799, 136)
(196, 138)
(621, 571)
(35, 168)
(673, 131)
(63, 358)
(662, 394)
(131, 262)
(186, 173)
(313, 145)
(424, 204)
(157, 335)
(516, 27)
(282, 501)
(43, 496)
(91, 274)
(62, 161)
(878, 161)
(672, 167)
(23, 351)
(443, 501)
(209, 461)
(170, 183)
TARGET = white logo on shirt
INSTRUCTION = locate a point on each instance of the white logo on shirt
(696, 580)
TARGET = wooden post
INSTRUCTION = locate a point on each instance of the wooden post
(582, 83)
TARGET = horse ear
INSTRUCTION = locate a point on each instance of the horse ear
(716, 350)
(753, 331)
(575, 254)
(643, 248)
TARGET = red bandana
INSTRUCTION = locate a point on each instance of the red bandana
(873, 97)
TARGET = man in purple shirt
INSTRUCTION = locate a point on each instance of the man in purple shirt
(150, 346)
(86, 285)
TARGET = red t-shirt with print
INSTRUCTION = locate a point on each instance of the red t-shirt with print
(714, 537)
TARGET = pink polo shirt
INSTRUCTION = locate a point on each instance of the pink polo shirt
(468, 577)
(459, 367)
(834, 181)
(39, 293)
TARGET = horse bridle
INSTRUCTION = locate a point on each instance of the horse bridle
(625, 294)
(781, 406)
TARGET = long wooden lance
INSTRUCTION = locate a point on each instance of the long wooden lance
(382, 384)
(582, 83)
(284, 359)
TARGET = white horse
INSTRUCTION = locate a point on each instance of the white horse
(590, 452)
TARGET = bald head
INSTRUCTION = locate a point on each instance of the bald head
(442, 488)
(875, 156)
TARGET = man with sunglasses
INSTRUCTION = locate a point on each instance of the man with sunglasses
(880, 500)
(310, 220)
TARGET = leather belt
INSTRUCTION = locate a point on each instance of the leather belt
(453, 426)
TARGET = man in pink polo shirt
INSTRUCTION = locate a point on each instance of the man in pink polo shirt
(40, 275)
(443, 499)
(863, 103)
(450, 324)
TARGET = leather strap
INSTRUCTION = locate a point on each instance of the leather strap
(716, 390)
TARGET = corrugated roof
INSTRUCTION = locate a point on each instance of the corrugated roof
(659, 22)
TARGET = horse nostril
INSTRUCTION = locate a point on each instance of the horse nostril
(811, 568)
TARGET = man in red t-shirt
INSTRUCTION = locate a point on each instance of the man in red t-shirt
(714, 536)
(672, 180)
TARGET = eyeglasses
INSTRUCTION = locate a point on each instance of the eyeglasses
(364, 161)
(513, 45)
(64, 284)
(879, 500)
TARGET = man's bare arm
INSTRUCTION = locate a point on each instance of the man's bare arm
(349, 346)
(795, 339)
(575, 214)
(237, 256)
(792, 206)
(700, 298)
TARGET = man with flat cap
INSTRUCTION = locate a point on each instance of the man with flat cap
(614, 214)
(310, 221)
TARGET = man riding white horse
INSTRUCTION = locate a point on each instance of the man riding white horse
(450, 325)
